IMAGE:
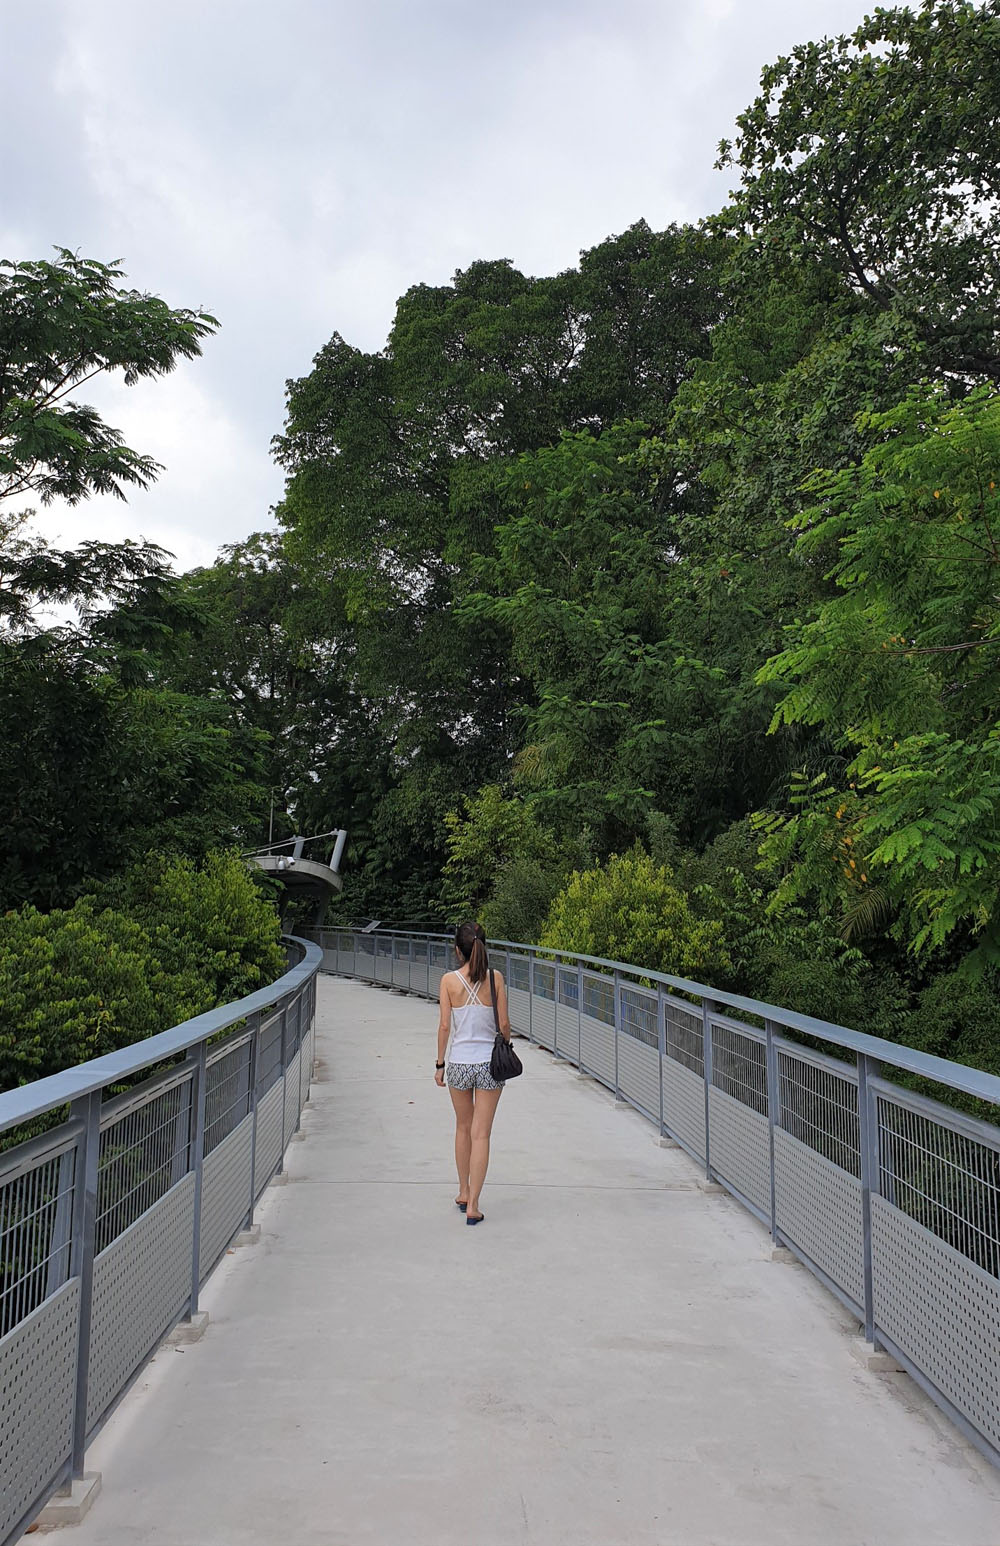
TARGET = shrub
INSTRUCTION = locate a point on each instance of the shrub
(211, 919)
(81, 981)
(631, 909)
(490, 832)
(522, 897)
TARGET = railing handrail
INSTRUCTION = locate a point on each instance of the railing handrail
(957, 1076)
(31, 1100)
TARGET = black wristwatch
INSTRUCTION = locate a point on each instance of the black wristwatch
(438, 1065)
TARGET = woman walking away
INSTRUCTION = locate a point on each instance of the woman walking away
(467, 999)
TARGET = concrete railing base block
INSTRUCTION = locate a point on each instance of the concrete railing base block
(186, 1332)
(710, 1188)
(299, 1137)
(781, 1253)
(281, 1179)
(69, 1508)
(874, 1359)
(249, 1236)
(667, 1143)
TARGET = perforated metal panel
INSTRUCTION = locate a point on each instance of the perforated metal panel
(543, 1007)
(819, 1210)
(597, 1049)
(141, 1284)
(567, 1032)
(37, 1382)
(639, 1075)
(518, 1004)
(292, 1096)
(364, 964)
(418, 967)
(740, 1148)
(225, 1194)
(401, 963)
(684, 1105)
(268, 1136)
(942, 1311)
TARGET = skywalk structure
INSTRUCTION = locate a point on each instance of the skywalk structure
(889, 1196)
(134, 1173)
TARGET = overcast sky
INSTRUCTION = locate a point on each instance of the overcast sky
(294, 166)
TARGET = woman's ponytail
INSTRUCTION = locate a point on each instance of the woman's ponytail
(470, 939)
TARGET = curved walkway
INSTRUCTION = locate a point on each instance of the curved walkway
(611, 1357)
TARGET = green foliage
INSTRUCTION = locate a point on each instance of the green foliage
(876, 155)
(214, 914)
(483, 835)
(503, 866)
(897, 667)
(78, 982)
(98, 773)
(632, 910)
(61, 324)
(956, 1016)
(522, 898)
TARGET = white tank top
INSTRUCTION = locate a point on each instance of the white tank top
(473, 1029)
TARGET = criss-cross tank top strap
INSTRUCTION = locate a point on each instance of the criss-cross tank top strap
(472, 1036)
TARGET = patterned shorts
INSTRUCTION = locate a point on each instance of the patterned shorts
(472, 1076)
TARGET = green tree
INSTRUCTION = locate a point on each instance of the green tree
(898, 668)
(876, 154)
(165, 942)
(62, 324)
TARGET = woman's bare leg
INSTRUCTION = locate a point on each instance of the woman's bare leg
(483, 1112)
(462, 1102)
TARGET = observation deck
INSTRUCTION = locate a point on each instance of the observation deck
(616, 1355)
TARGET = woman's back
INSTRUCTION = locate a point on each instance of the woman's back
(472, 1019)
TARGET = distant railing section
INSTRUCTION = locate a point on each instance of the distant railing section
(892, 1199)
(111, 1221)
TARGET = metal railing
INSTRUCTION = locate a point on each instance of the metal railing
(891, 1198)
(111, 1220)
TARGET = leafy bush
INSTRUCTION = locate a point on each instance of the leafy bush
(632, 909)
(490, 831)
(957, 1016)
(82, 981)
(211, 919)
(522, 897)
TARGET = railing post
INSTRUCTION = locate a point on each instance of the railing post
(773, 1114)
(661, 1042)
(284, 1064)
(88, 1108)
(531, 996)
(254, 1066)
(198, 1058)
(870, 1179)
(707, 1009)
(579, 1015)
(618, 1021)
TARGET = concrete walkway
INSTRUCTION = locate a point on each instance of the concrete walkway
(611, 1357)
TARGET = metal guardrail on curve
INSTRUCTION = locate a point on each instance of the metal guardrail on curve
(111, 1221)
(892, 1199)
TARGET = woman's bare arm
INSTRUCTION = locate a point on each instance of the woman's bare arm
(444, 1026)
(503, 1013)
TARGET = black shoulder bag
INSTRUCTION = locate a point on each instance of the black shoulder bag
(504, 1063)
